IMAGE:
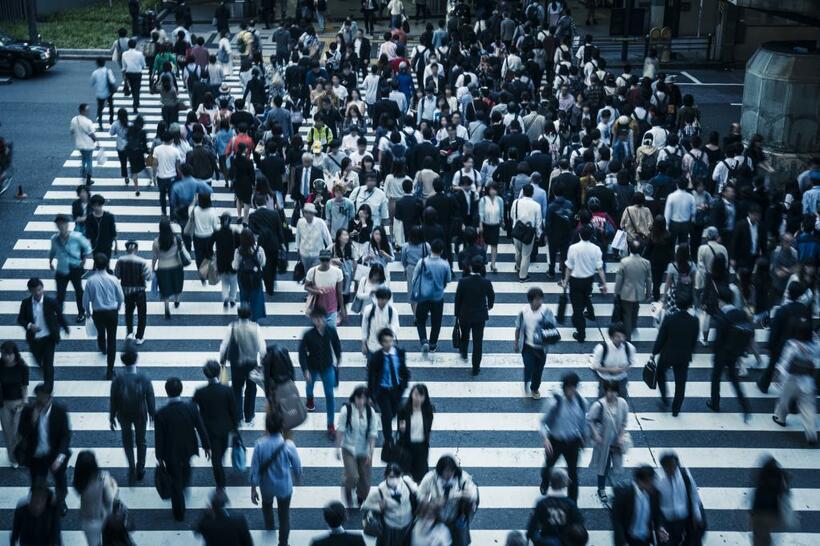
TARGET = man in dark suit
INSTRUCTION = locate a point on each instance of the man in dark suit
(385, 106)
(387, 379)
(409, 208)
(132, 403)
(636, 513)
(361, 46)
(217, 406)
(335, 515)
(444, 207)
(570, 183)
(515, 139)
(449, 150)
(778, 331)
(176, 428)
(677, 339)
(465, 209)
(218, 527)
(267, 225)
(302, 183)
(727, 351)
(44, 439)
(474, 297)
(748, 241)
(41, 318)
(540, 161)
(424, 149)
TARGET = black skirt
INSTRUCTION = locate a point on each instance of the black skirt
(491, 233)
(137, 162)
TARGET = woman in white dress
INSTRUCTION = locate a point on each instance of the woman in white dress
(224, 55)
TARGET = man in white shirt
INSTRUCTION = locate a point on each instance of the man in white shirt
(376, 317)
(324, 283)
(373, 197)
(679, 499)
(727, 168)
(680, 212)
(168, 159)
(657, 133)
(82, 130)
(133, 63)
(584, 261)
(526, 211)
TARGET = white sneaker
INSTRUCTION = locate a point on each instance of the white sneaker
(140, 340)
(526, 391)
(129, 336)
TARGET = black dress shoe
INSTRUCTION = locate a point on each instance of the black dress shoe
(140, 475)
(578, 337)
(709, 405)
(108, 375)
(476, 371)
(63, 509)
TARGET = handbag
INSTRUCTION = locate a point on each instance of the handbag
(456, 335)
(203, 268)
(189, 225)
(356, 306)
(550, 335)
(617, 309)
(522, 232)
(282, 263)
(238, 455)
(361, 272)
(99, 157)
(213, 274)
(162, 482)
(257, 375)
(650, 374)
(182, 254)
(619, 240)
(299, 272)
(373, 522)
(562, 307)
(90, 328)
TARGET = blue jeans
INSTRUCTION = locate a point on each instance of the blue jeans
(534, 361)
(164, 186)
(328, 378)
(86, 163)
(395, 21)
(330, 319)
(320, 20)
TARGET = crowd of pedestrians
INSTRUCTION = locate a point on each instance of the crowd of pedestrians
(499, 121)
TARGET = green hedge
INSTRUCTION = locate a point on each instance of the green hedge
(88, 27)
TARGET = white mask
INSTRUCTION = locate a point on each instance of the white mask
(393, 483)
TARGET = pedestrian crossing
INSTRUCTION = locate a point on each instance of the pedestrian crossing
(485, 421)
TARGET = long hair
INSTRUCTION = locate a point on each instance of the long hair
(85, 470)
(10, 347)
(427, 407)
(658, 232)
(166, 235)
(682, 259)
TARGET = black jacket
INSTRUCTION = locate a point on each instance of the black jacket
(316, 352)
(256, 89)
(217, 406)
(460, 212)
(723, 320)
(514, 140)
(59, 433)
(340, 539)
(551, 518)
(273, 167)
(571, 185)
(541, 163)
(375, 370)
(623, 508)
(31, 530)
(202, 162)
(444, 206)
(677, 338)
(296, 190)
(227, 241)
(741, 249)
(778, 331)
(266, 224)
(52, 314)
(223, 528)
(421, 150)
(386, 106)
(101, 231)
(125, 410)
(606, 198)
(176, 427)
(406, 414)
(408, 210)
(474, 297)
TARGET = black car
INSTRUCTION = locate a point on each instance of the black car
(25, 59)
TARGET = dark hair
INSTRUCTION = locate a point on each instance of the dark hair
(534, 293)
(33, 283)
(385, 332)
(570, 379)
(10, 347)
(683, 259)
(335, 514)
(608, 386)
(447, 462)
(173, 387)
(211, 369)
(643, 473)
(166, 235)
(437, 246)
(273, 422)
(85, 470)
(616, 328)
(244, 312)
(392, 469)
(100, 261)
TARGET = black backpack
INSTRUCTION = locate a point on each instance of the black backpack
(249, 273)
(685, 284)
(698, 170)
(589, 49)
(649, 165)
(738, 337)
(350, 415)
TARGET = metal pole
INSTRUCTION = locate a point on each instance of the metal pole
(700, 17)
(31, 16)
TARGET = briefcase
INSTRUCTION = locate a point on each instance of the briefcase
(562, 307)
(650, 374)
(162, 481)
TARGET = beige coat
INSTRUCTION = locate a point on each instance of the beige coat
(636, 220)
(706, 255)
(633, 282)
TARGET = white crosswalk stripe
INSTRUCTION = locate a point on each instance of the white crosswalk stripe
(485, 421)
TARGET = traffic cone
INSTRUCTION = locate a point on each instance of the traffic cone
(20, 194)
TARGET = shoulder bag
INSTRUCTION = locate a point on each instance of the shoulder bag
(522, 231)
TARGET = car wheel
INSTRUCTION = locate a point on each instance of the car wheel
(22, 69)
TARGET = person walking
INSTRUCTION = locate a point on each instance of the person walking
(606, 419)
(633, 284)
(529, 324)
(681, 509)
(455, 492)
(243, 346)
(474, 299)
(249, 262)
(36, 519)
(797, 366)
(176, 429)
(584, 261)
(554, 514)
(70, 249)
(104, 84)
(387, 379)
(414, 250)
(430, 277)
(132, 404)
(82, 131)
(377, 316)
(612, 358)
(558, 228)
(204, 222)
(168, 161)
(217, 526)
(779, 330)
(102, 300)
(274, 467)
(335, 514)
(312, 236)
(636, 514)
(771, 508)
(490, 217)
(133, 63)
(45, 436)
(563, 428)
(133, 272)
(392, 502)
(226, 241)
(733, 334)
(100, 227)
(679, 213)
(323, 283)
(217, 406)
(356, 432)
(168, 256)
(676, 341)
(97, 490)
(660, 251)
(14, 379)
(415, 423)
(527, 222)
(42, 319)
(320, 354)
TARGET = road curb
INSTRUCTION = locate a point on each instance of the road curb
(94, 54)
